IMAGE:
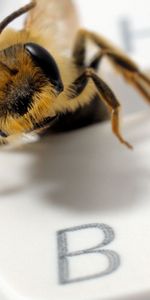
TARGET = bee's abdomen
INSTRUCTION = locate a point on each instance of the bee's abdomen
(92, 113)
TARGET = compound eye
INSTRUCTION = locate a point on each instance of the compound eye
(43, 59)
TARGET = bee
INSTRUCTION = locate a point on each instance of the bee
(45, 81)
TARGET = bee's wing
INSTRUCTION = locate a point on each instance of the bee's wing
(54, 20)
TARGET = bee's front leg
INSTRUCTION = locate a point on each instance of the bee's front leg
(120, 61)
(80, 93)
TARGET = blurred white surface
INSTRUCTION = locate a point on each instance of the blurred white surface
(69, 180)
(107, 17)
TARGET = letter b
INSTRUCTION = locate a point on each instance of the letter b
(65, 256)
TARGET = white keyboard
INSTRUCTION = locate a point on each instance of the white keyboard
(75, 216)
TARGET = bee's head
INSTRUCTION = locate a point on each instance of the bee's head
(29, 84)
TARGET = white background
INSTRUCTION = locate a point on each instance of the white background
(105, 17)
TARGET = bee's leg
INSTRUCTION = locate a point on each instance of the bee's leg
(76, 96)
(121, 62)
(95, 62)
(130, 72)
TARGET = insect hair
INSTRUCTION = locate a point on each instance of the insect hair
(46, 79)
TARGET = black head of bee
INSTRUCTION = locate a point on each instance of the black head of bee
(43, 59)
(30, 83)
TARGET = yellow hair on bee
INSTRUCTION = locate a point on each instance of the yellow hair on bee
(45, 100)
